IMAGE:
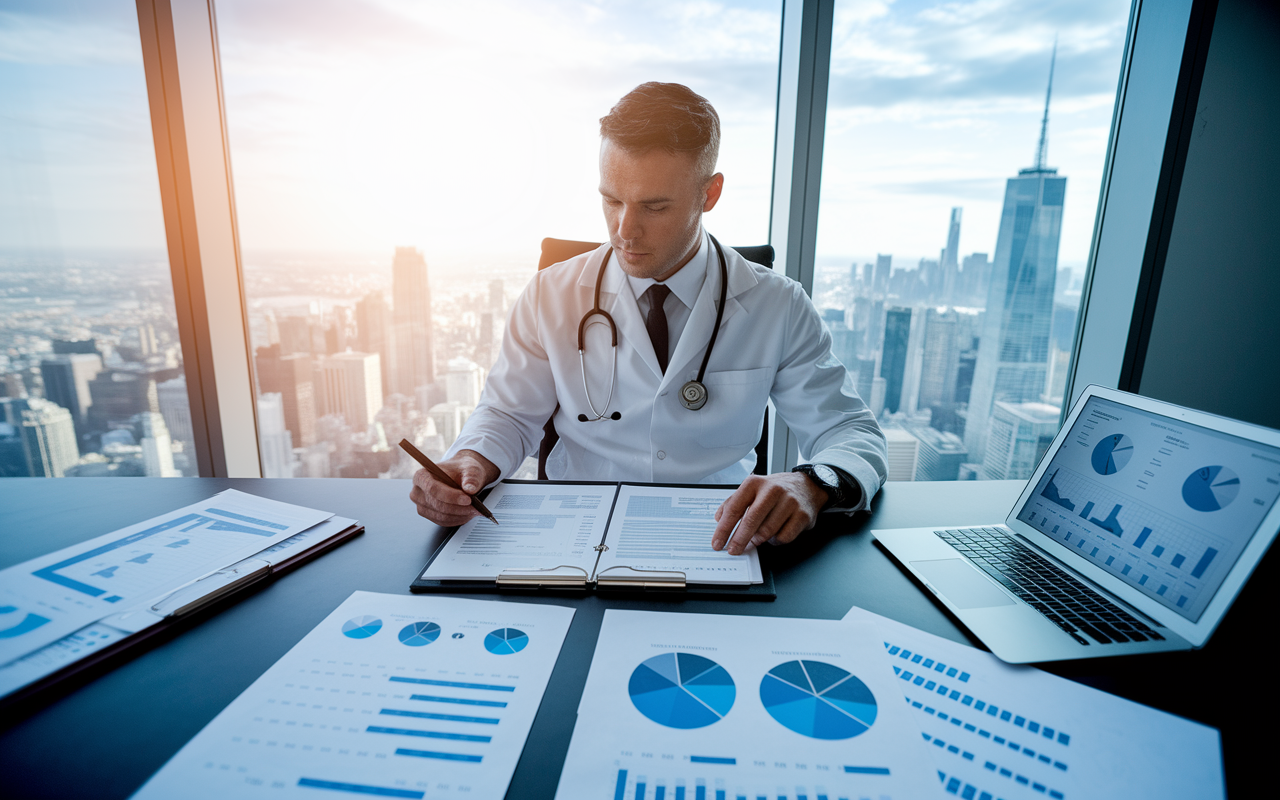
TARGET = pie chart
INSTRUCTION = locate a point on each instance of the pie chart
(1111, 454)
(417, 634)
(361, 627)
(505, 641)
(681, 690)
(818, 700)
(1210, 488)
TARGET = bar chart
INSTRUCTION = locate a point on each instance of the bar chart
(377, 701)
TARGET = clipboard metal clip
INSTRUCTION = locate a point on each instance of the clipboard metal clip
(549, 577)
(637, 578)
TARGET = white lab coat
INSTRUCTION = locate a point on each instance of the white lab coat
(772, 345)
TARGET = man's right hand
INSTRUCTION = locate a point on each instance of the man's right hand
(445, 505)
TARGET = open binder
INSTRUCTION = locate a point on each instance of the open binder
(576, 536)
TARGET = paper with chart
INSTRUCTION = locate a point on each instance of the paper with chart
(389, 696)
(48, 598)
(1015, 732)
(541, 526)
(668, 529)
(110, 630)
(719, 707)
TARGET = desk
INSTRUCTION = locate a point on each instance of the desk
(105, 737)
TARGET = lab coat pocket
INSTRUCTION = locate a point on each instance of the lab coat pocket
(735, 405)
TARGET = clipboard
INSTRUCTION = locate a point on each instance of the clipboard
(182, 608)
(564, 579)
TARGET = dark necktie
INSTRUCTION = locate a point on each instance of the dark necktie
(656, 322)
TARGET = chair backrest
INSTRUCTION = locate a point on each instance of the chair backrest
(556, 250)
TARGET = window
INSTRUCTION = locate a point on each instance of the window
(958, 203)
(398, 164)
(91, 374)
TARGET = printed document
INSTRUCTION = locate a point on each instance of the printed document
(999, 730)
(389, 696)
(46, 599)
(708, 707)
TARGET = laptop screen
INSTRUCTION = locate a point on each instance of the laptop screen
(1165, 506)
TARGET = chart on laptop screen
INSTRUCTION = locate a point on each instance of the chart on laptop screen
(1166, 506)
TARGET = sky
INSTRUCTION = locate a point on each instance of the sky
(470, 129)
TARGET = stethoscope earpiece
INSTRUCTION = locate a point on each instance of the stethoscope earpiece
(693, 395)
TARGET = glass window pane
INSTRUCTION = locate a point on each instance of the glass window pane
(958, 202)
(397, 166)
(91, 377)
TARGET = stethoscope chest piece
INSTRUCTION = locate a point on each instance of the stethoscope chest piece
(693, 395)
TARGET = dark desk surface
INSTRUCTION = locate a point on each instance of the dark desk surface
(105, 736)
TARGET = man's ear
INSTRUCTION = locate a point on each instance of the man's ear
(713, 189)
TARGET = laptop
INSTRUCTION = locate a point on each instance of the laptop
(1142, 522)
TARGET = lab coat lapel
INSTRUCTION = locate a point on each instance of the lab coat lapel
(626, 315)
(702, 318)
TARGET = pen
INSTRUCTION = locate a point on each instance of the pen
(443, 476)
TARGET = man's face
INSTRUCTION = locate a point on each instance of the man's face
(653, 204)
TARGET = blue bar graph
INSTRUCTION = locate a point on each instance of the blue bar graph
(719, 794)
(620, 791)
(1203, 564)
(1177, 560)
(1158, 551)
(640, 787)
(403, 751)
(456, 737)
(1142, 537)
(679, 791)
(867, 770)
(356, 788)
(454, 684)
(444, 717)
(712, 760)
(700, 791)
(1088, 509)
(1126, 569)
(459, 700)
(659, 792)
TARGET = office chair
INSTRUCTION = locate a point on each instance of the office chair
(556, 250)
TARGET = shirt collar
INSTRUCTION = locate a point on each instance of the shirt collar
(685, 284)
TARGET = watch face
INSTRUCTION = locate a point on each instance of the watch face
(826, 474)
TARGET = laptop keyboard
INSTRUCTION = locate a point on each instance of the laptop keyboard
(1064, 600)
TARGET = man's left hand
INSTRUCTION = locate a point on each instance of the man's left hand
(778, 507)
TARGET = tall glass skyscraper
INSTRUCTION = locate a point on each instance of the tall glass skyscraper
(1013, 354)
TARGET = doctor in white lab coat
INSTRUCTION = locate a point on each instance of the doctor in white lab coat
(771, 346)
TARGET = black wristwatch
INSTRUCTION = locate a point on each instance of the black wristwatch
(839, 488)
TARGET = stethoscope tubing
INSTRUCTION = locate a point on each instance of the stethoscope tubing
(693, 395)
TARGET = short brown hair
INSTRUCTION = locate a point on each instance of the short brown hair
(666, 116)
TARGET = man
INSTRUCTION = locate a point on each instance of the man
(618, 409)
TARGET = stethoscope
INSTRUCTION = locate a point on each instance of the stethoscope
(693, 395)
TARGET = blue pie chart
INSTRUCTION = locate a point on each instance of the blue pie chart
(818, 700)
(417, 634)
(1210, 488)
(505, 641)
(1111, 454)
(361, 627)
(681, 690)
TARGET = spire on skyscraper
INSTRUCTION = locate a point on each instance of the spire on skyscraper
(1043, 147)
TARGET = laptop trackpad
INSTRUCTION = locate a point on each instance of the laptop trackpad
(961, 583)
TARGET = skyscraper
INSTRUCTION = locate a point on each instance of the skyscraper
(291, 377)
(893, 364)
(373, 334)
(1019, 433)
(884, 265)
(941, 358)
(277, 454)
(353, 387)
(157, 448)
(66, 382)
(951, 258)
(49, 438)
(415, 360)
(1013, 355)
